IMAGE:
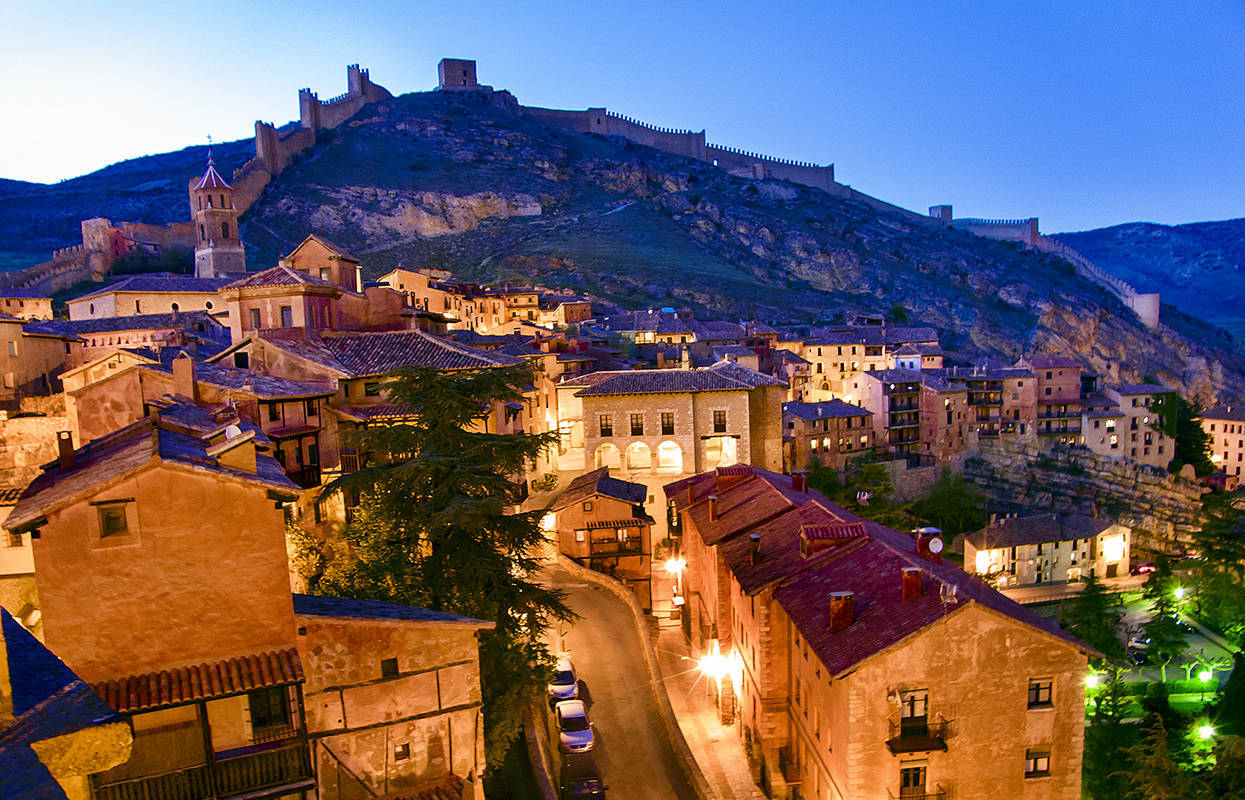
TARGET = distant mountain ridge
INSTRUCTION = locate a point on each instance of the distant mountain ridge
(1198, 267)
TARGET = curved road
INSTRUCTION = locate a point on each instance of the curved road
(631, 751)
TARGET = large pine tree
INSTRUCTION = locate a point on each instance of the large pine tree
(434, 527)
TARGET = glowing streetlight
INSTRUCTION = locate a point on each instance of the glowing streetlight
(1092, 680)
(1206, 732)
(1180, 592)
(676, 565)
(1205, 675)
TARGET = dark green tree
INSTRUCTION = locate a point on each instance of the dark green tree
(1107, 741)
(952, 504)
(1153, 774)
(897, 314)
(1218, 574)
(1167, 641)
(1176, 417)
(1229, 708)
(1093, 616)
(434, 528)
(1156, 703)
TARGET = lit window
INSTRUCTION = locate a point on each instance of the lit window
(1040, 692)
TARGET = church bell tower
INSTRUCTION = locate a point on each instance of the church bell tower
(218, 250)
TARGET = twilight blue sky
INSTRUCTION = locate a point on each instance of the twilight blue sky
(1082, 113)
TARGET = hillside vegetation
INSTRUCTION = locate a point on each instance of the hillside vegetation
(456, 182)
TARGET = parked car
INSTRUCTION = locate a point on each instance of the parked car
(1185, 627)
(580, 777)
(1143, 569)
(1139, 642)
(575, 733)
(1138, 658)
(565, 685)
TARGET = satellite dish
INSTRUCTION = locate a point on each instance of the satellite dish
(232, 431)
(935, 545)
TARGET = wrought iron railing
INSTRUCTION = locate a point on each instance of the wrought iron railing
(917, 734)
(228, 778)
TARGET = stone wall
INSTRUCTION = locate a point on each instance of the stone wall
(1162, 509)
(27, 442)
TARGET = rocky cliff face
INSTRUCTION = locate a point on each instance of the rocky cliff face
(1163, 510)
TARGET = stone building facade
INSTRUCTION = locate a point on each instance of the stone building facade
(1020, 551)
(830, 433)
(1225, 425)
(855, 656)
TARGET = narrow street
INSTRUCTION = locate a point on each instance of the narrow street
(631, 752)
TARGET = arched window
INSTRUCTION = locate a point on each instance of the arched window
(209, 201)
(202, 233)
(224, 230)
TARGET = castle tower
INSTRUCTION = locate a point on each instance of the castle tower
(218, 250)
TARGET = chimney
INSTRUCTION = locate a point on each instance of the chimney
(754, 547)
(64, 444)
(799, 481)
(842, 610)
(713, 508)
(185, 383)
(911, 583)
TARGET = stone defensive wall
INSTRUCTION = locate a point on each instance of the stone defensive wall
(67, 266)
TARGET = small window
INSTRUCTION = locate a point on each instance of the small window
(255, 320)
(401, 752)
(242, 360)
(719, 422)
(607, 425)
(287, 317)
(270, 708)
(388, 667)
(224, 230)
(637, 424)
(112, 521)
(371, 389)
(667, 423)
(580, 536)
(309, 408)
(274, 412)
(13, 539)
(1037, 763)
(587, 505)
(13, 348)
(1040, 690)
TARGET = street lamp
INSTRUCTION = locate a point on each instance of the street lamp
(1206, 732)
(1180, 592)
(1092, 680)
(1204, 676)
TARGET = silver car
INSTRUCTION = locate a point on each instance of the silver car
(565, 684)
(575, 733)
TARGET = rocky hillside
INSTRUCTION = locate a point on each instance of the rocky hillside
(1199, 267)
(453, 181)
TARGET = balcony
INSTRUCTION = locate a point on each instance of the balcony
(616, 547)
(306, 477)
(917, 734)
(919, 793)
(288, 766)
(789, 767)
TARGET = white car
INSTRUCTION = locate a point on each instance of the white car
(575, 734)
(565, 685)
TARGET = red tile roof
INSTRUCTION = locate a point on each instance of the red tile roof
(202, 681)
(868, 563)
(279, 276)
(448, 788)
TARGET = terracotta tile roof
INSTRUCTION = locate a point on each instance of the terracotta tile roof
(1141, 388)
(197, 320)
(158, 282)
(124, 452)
(381, 411)
(24, 294)
(251, 382)
(1051, 362)
(309, 605)
(362, 354)
(632, 522)
(447, 788)
(332, 247)
(1015, 531)
(824, 410)
(1232, 413)
(599, 482)
(279, 275)
(222, 678)
(721, 377)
